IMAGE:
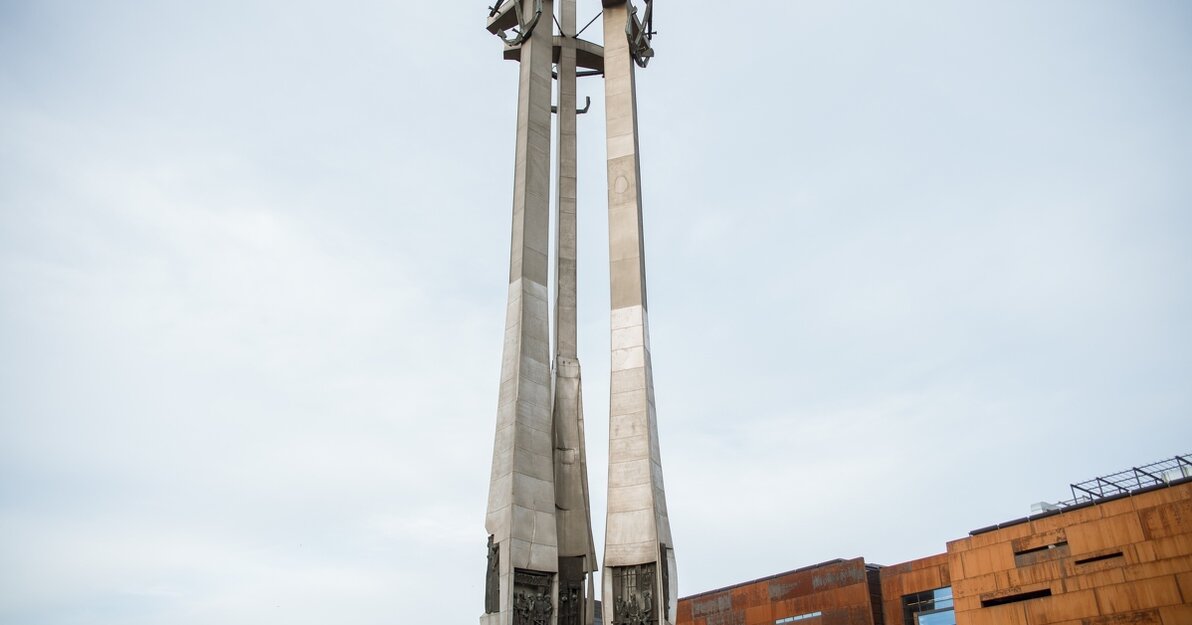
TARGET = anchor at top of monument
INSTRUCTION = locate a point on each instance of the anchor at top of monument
(640, 32)
(508, 15)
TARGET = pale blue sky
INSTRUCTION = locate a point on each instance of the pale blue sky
(913, 267)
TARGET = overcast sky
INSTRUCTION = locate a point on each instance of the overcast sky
(913, 266)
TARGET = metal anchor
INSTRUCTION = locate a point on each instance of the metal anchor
(640, 32)
(524, 28)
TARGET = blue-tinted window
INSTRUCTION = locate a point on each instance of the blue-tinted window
(930, 607)
(942, 617)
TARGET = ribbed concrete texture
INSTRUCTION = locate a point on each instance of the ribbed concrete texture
(639, 582)
(521, 501)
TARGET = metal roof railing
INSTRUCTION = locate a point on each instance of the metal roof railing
(1159, 473)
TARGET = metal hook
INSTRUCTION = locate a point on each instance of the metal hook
(587, 105)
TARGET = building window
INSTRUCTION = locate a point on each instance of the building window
(931, 607)
(800, 617)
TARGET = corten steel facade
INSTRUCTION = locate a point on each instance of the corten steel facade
(911, 589)
(832, 593)
(1124, 560)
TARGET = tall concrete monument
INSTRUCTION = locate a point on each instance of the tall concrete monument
(541, 553)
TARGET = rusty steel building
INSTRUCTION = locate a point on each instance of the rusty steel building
(1118, 553)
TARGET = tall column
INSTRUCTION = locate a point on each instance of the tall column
(640, 584)
(577, 551)
(523, 552)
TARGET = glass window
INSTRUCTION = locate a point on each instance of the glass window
(800, 617)
(930, 607)
(941, 617)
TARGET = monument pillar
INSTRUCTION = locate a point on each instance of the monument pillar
(639, 583)
(577, 551)
(521, 586)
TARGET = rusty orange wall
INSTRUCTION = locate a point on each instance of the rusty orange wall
(1150, 584)
(840, 591)
(908, 578)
